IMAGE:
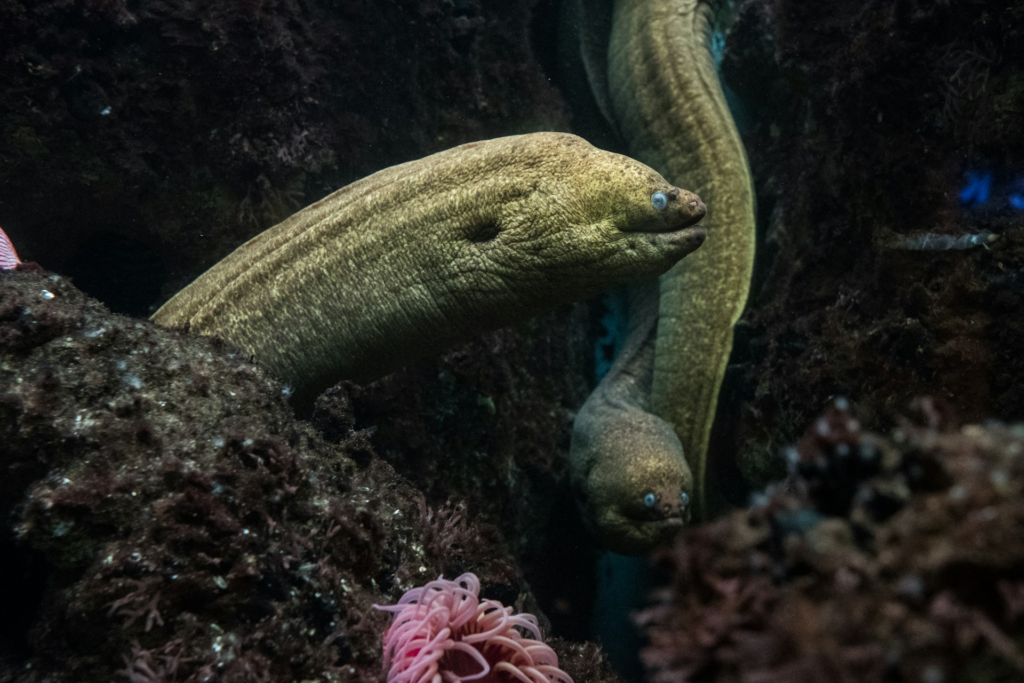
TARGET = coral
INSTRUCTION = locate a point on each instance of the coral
(892, 558)
(444, 631)
(449, 538)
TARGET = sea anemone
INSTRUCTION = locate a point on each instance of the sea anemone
(443, 631)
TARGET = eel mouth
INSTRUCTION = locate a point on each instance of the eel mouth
(676, 521)
(667, 527)
(691, 238)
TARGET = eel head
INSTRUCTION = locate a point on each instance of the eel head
(631, 481)
(590, 221)
(638, 213)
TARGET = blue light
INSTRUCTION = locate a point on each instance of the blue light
(978, 188)
(718, 47)
(1017, 201)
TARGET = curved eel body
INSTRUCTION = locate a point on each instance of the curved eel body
(670, 108)
(628, 474)
(404, 262)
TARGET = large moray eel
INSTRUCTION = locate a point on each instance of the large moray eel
(671, 110)
(660, 91)
(402, 263)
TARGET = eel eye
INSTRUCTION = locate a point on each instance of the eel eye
(684, 498)
(659, 201)
(650, 500)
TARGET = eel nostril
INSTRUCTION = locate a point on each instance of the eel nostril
(693, 205)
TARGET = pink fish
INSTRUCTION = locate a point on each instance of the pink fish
(8, 257)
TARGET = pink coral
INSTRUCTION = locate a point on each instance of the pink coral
(443, 631)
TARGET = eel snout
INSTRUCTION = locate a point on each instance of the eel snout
(691, 208)
(681, 241)
(698, 209)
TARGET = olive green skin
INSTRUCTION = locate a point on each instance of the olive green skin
(621, 453)
(670, 108)
(406, 261)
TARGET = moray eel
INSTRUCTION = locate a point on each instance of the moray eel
(670, 109)
(627, 470)
(406, 261)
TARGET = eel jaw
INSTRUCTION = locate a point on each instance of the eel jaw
(628, 535)
(685, 241)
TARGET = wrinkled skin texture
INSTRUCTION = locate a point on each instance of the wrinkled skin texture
(671, 111)
(621, 453)
(408, 260)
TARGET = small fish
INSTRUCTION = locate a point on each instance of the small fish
(8, 257)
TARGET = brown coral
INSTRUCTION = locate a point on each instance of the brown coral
(925, 587)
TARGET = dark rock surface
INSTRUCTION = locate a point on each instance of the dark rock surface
(864, 122)
(170, 520)
(886, 558)
(488, 424)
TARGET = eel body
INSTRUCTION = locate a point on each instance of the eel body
(404, 262)
(627, 469)
(670, 108)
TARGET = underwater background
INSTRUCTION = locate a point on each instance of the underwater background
(168, 518)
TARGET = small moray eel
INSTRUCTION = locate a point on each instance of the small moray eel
(404, 262)
(628, 474)
(670, 109)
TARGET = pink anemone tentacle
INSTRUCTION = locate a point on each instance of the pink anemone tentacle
(443, 632)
